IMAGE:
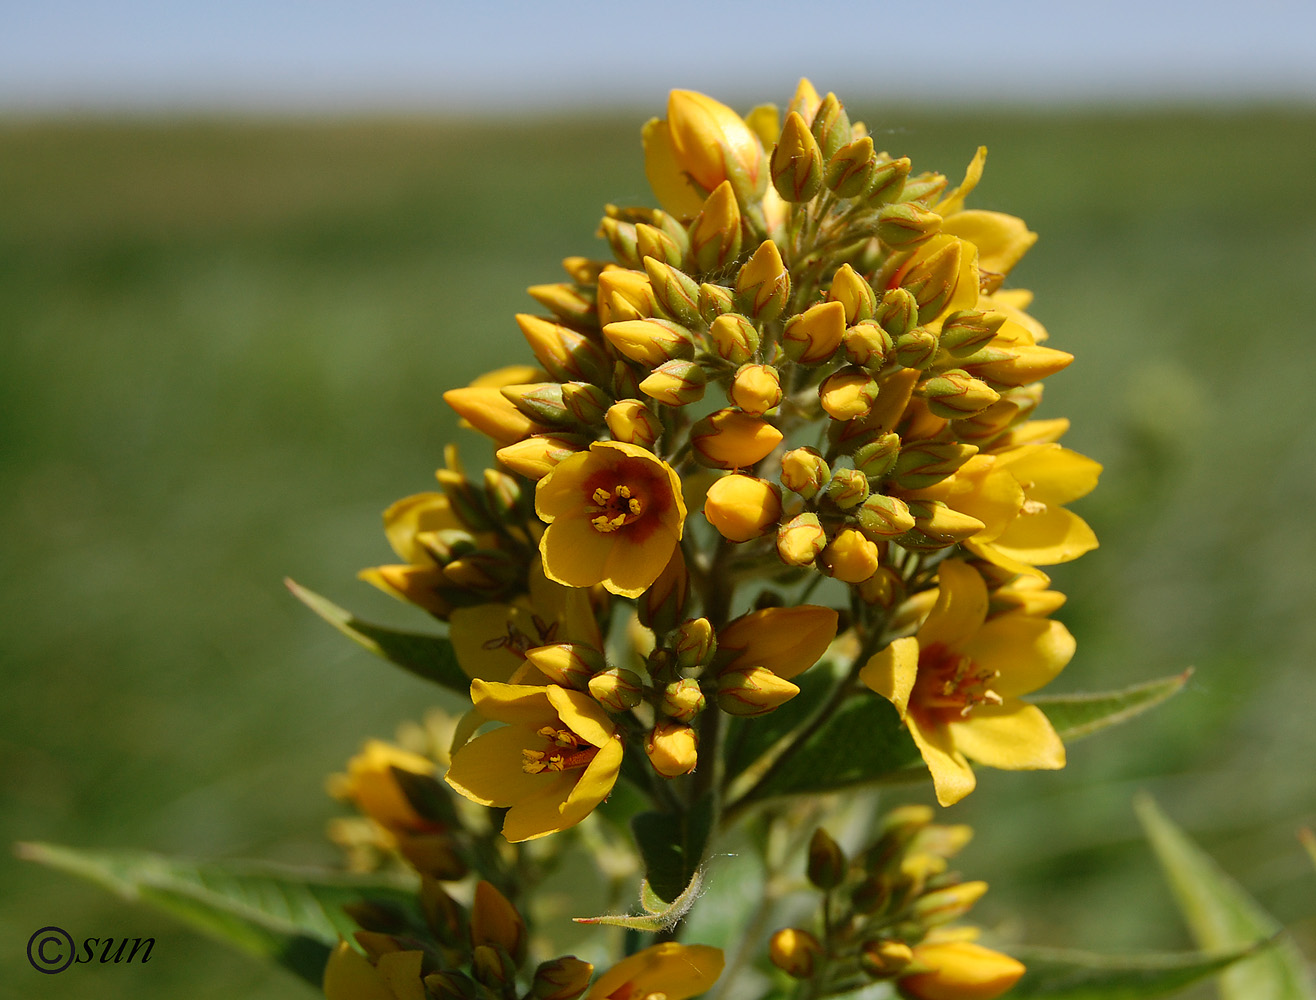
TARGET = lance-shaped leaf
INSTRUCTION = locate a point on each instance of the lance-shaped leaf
(1077, 715)
(1060, 974)
(291, 916)
(1222, 916)
(428, 656)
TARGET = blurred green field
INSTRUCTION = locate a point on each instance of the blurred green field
(223, 351)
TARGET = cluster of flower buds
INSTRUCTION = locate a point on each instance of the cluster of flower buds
(448, 951)
(888, 917)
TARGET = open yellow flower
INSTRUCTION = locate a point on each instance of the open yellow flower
(957, 682)
(555, 760)
(669, 970)
(614, 513)
(349, 975)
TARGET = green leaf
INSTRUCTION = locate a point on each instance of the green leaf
(1222, 916)
(428, 656)
(291, 916)
(1060, 974)
(1077, 715)
(672, 845)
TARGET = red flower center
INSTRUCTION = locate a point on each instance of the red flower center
(950, 683)
(563, 751)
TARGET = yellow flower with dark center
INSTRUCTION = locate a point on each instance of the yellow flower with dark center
(615, 514)
(555, 760)
(669, 971)
(957, 682)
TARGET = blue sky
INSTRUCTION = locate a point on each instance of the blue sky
(329, 55)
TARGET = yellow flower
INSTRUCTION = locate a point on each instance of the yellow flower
(960, 970)
(742, 507)
(670, 970)
(555, 760)
(787, 641)
(372, 787)
(673, 748)
(957, 682)
(615, 514)
(350, 976)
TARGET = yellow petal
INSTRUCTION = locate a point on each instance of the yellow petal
(1001, 239)
(952, 778)
(408, 517)
(1014, 736)
(676, 970)
(1046, 537)
(960, 609)
(594, 784)
(539, 814)
(575, 552)
(582, 715)
(474, 633)
(891, 672)
(562, 491)
(1051, 474)
(786, 641)
(954, 201)
(519, 704)
(488, 769)
(401, 971)
(632, 567)
(675, 191)
(1027, 652)
(350, 976)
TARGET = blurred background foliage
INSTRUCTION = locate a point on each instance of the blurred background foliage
(224, 345)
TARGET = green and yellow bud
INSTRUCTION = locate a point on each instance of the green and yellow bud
(625, 294)
(888, 181)
(540, 401)
(492, 967)
(897, 313)
(847, 393)
(491, 413)
(812, 337)
(959, 970)
(652, 244)
(755, 389)
(800, 540)
(675, 383)
(804, 471)
(849, 172)
(797, 163)
(616, 689)
(445, 985)
(564, 353)
(715, 146)
(969, 330)
(621, 238)
(850, 557)
(848, 488)
(561, 979)
(538, 455)
(831, 127)
(934, 276)
(632, 422)
(730, 439)
(734, 337)
(672, 748)
(682, 700)
(937, 525)
(650, 341)
(882, 517)
(495, 921)
(905, 225)
(795, 952)
(826, 866)
(569, 664)
(675, 290)
(714, 301)
(585, 402)
(884, 959)
(805, 101)
(925, 463)
(853, 292)
(752, 691)
(925, 189)
(877, 457)
(763, 283)
(715, 235)
(742, 508)
(867, 344)
(941, 906)
(955, 393)
(916, 349)
(1016, 366)
(695, 643)
(571, 303)
(885, 588)
(502, 493)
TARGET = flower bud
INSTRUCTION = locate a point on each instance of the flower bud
(650, 341)
(538, 455)
(540, 401)
(882, 517)
(883, 959)
(631, 422)
(925, 188)
(663, 604)
(561, 979)
(695, 643)
(794, 951)
(652, 244)
(805, 102)
(933, 278)
(916, 349)
(850, 557)
(494, 921)
(682, 700)
(374, 784)
(447, 985)
(804, 471)
(937, 526)
(960, 970)
(570, 664)
(847, 393)
(570, 303)
(624, 294)
(715, 235)
(941, 906)
(850, 170)
(621, 238)
(800, 540)
(755, 389)
(826, 865)
(625, 381)
(797, 164)
(502, 492)
(814, 335)
(751, 691)
(956, 393)
(897, 313)
(616, 689)
(969, 330)
(714, 300)
(734, 337)
(887, 182)
(763, 283)
(672, 748)
(491, 413)
(905, 225)
(848, 488)
(493, 968)
(867, 345)
(675, 383)
(564, 353)
(853, 292)
(729, 439)
(675, 290)
(925, 463)
(876, 458)
(715, 146)
(741, 507)
(831, 127)
(585, 402)
(1015, 366)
